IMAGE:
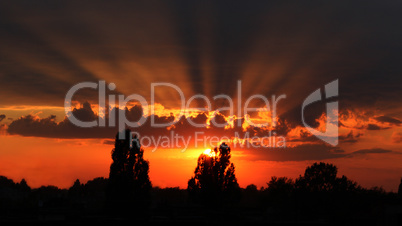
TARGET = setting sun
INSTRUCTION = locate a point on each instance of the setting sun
(209, 152)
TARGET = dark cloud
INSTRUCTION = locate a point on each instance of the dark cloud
(366, 120)
(373, 127)
(184, 127)
(297, 153)
(304, 136)
(108, 142)
(350, 137)
(372, 151)
(32, 126)
(48, 127)
(2, 117)
(388, 119)
(304, 152)
(338, 151)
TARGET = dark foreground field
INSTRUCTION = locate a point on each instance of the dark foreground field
(87, 204)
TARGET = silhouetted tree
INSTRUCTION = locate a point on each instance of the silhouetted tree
(77, 190)
(318, 177)
(76, 186)
(23, 186)
(400, 189)
(320, 191)
(214, 179)
(95, 191)
(129, 183)
(280, 185)
(322, 177)
(343, 184)
(96, 186)
(50, 196)
(76, 195)
(6, 183)
(251, 188)
(279, 192)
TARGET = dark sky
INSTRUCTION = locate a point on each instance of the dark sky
(203, 47)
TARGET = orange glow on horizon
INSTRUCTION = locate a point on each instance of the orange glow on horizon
(59, 162)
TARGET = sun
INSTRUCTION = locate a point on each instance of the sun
(209, 152)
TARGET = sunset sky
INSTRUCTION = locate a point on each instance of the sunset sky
(209, 48)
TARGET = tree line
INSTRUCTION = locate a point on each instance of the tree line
(212, 191)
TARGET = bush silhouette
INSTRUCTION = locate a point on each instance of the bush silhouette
(214, 180)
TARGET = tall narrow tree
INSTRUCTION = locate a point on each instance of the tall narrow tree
(129, 183)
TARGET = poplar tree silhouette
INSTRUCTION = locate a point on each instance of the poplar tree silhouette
(214, 180)
(129, 185)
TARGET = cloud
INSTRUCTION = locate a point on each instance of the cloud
(350, 138)
(108, 142)
(304, 152)
(396, 137)
(372, 151)
(3, 129)
(390, 120)
(298, 153)
(31, 125)
(366, 120)
(305, 147)
(373, 127)
(2, 117)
